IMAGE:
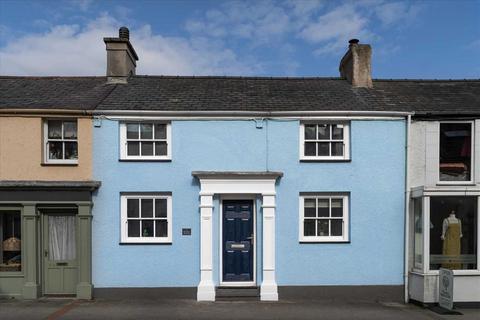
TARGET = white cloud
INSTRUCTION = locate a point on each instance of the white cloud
(393, 12)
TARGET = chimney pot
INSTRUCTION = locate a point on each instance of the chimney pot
(124, 33)
(353, 41)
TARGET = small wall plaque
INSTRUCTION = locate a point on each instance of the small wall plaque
(186, 232)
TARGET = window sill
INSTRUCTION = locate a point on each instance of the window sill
(59, 164)
(324, 160)
(146, 160)
(456, 183)
(455, 273)
(11, 274)
(144, 243)
(322, 241)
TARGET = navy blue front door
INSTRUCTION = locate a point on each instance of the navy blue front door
(238, 240)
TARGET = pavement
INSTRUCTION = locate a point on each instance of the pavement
(106, 309)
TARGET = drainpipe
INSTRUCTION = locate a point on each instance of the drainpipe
(407, 207)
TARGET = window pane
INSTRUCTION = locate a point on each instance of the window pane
(309, 227)
(55, 150)
(323, 208)
(160, 148)
(61, 237)
(161, 228)
(133, 148)
(337, 149)
(455, 151)
(310, 149)
(337, 131)
(70, 130)
(309, 207)
(322, 228)
(132, 131)
(161, 208)
(147, 148)
(133, 228)
(310, 132)
(71, 151)
(54, 129)
(160, 131)
(147, 228)
(323, 149)
(337, 207)
(453, 233)
(418, 234)
(147, 208)
(146, 131)
(132, 208)
(336, 227)
(10, 242)
(324, 132)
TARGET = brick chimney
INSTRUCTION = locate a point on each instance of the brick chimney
(356, 65)
(121, 57)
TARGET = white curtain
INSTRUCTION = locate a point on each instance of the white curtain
(61, 241)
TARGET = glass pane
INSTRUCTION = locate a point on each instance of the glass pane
(147, 208)
(55, 150)
(323, 149)
(161, 208)
(161, 228)
(418, 234)
(132, 131)
(310, 149)
(322, 228)
(70, 130)
(337, 207)
(324, 132)
(146, 131)
(133, 208)
(455, 151)
(309, 207)
(160, 131)
(310, 132)
(54, 129)
(160, 148)
(147, 148)
(309, 227)
(453, 233)
(134, 228)
(323, 210)
(147, 228)
(61, 238)
(337, 131)
(71, 150)
(337, 149)
(133, 148)
(10, 241)
(336, 227)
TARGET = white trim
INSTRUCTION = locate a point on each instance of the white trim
(45, 150)
(124, 238)
(123, 143)
(345, 226)
(345, 141)
(254, 242)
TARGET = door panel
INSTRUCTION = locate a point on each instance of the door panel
(60, 253)
(238, 246)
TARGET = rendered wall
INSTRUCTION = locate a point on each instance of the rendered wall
(21, 143)
(374, 177)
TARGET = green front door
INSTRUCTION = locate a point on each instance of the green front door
(60, 271)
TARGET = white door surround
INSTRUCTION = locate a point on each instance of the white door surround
(248, 183)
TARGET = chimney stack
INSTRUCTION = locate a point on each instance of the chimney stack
(121, 57)
(356, 64)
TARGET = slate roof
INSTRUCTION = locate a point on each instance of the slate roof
(171, 93)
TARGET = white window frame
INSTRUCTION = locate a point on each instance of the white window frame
(123, 142)
(346, 141)
(346, 213)
(124, 238)
(46, 140)
(472, 155)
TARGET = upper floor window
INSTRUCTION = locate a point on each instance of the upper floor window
(456, 146)
(145, 141)
(61, 141)
(324, 141)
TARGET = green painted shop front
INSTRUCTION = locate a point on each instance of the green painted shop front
(45, 230)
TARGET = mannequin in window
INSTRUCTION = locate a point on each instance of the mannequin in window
(451, 234)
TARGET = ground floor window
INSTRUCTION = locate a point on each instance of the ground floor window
(11, 245)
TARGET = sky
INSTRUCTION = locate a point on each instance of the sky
(430, 39)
